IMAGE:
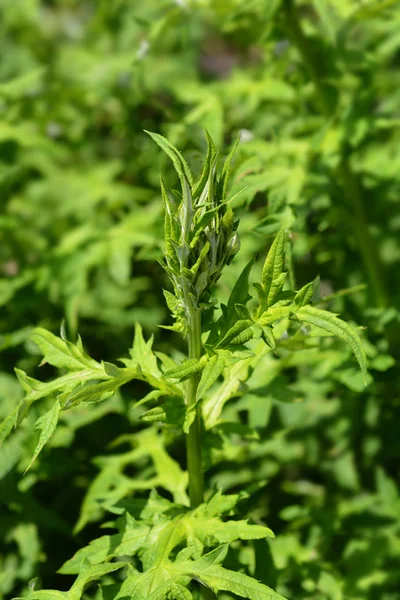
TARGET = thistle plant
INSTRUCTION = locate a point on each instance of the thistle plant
(173, 548)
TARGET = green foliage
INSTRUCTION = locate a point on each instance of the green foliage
(271, 389)
(161, 528)
(193, 244)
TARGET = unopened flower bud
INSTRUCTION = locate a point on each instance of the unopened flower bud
(232, 247)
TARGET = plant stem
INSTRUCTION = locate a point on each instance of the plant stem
(194, 437)
(351, 184)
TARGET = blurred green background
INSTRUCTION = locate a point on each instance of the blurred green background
(312, 87)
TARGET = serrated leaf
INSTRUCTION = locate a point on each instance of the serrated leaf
(233, 376)
(221, 579)
(180, 592)
(241, 326)
(172, 302)
(304, 296)
(268, 337)
(142, 353)
(131, 537)
(171, 411)
(92, 573)
(153, 395)
(210, 374)
(98, 392)
(7, 425)
(272, 277)
(62, 354)
(331, 323)
(35, 390)
(186, 369)
(46, 424)
(273, 314)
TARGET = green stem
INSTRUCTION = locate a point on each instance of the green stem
(351, 184)
(194, 437)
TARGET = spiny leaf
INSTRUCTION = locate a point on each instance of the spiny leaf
(46, 424)
(331, 323)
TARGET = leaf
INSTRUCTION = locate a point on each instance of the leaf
(162, 528)
(273, 314)
(222, 184)
(131, 537)
(179, 162)
(220, 579)
(331, 323)
(7, 425)
(233, 376)
(142, 354)
(88, 573)
(241, 326)
(47, 595)
(172, 411)
(180, 592)
(268, 337)
(304, 295)
(209, 160)
(46, 424)
(272, 277)
(99, 391)
(186, 369)
(62, 354)
(210, 374)
(92, 573)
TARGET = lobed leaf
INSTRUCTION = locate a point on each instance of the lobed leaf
(131, 537)
(62, 354)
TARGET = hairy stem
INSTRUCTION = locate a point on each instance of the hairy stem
(351, 184)
(194, 437)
